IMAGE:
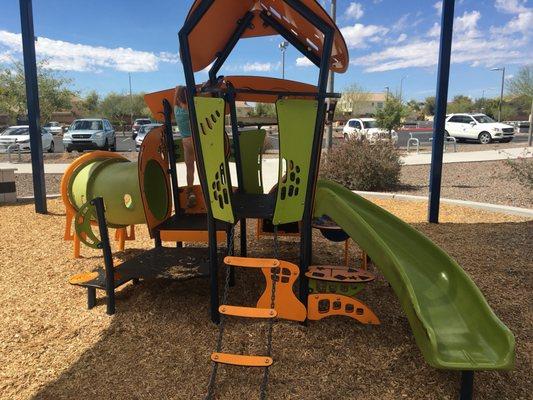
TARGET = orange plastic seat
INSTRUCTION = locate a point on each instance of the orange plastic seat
(247, 262)
(247, 312)
(242, 360)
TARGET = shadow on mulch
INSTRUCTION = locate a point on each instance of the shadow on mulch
(158, 344)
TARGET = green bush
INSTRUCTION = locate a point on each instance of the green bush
(359, 165)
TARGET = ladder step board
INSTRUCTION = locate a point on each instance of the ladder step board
(247, 312)
(248, 262)
(242, 360)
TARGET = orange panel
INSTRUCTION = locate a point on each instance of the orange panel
(190, 236)
(154, 148)
(247, 312)
(242, 360)
(324, 305)
(217, 25)
(248, 262)
(287, 304)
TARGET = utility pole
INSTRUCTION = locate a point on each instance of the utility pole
(331, 80)
(283, 47)
(131, 102)
(501, 93)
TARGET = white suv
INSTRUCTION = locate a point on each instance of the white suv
(477, 127)
(366, 128)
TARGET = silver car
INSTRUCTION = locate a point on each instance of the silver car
(142, 132)
(90, 134)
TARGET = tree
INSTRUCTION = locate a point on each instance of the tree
(90, 104)
(353, 99)
(429, 105)
(415, 110)
(263, 110)
(120, 108)
(390, 116)
(522, 85)
(461, 104)
(54, 91)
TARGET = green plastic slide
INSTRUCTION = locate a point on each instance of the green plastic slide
(452, 323)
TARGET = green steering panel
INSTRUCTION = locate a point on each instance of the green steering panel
(210, 117)
(296, 123)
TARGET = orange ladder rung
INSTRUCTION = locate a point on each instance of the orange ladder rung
(242, 360)
(247, 262)
(247, 312)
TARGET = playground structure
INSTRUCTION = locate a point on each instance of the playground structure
(451, 321)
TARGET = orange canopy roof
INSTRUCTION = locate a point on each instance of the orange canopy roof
(154, 101)
(216, 27)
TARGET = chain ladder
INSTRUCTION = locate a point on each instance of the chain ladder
(221, 325)
(275, 276)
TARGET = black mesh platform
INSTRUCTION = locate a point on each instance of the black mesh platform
(157, 263)
(188, 222)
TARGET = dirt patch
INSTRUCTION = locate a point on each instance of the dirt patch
(486, 182)
(157, 346)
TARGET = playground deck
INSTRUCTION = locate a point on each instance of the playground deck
(155, 347)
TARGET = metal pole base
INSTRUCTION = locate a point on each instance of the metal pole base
(467, 385)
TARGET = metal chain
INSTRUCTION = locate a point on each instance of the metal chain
(221, 325)
(275, 277)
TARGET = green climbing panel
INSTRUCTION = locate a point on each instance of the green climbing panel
(210, 117)
(251, 143)
(346, 289)
(296, 122)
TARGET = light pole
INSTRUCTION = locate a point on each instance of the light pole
(501, 93)
(283, 47)
(331, 80)
(401, 87)
(388, 90)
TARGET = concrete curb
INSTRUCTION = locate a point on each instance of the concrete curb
(522, 212)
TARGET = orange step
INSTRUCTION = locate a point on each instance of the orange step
(242, 360)
(247, 312)
(247, 262)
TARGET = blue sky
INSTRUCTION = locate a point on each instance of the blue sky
(97, 43)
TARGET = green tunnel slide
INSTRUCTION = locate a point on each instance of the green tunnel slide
(452, 323)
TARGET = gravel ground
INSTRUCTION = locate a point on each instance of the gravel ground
(486, 182)
(157, 346)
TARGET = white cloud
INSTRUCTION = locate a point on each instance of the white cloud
(435, 30)
(401, 38)
(467, 24)
(258, 67)
(69, 56)
(438, 7)
(303, 62)
(511, 6)
(354, 10)
(357, 35)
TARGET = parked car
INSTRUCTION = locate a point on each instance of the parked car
(143, 131)
(55, 128)
(20, 135)
(137, 125)
(477, 127)
(366, 128)
(90, 134)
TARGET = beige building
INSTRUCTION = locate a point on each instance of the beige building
(359, 104)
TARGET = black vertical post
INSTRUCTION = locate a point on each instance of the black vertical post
(169, 138)
(467, 385)
(32, 99)
(98, 202)
(443, 78)
(306, 238)
(188, 71)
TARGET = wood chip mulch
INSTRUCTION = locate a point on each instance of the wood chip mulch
(158, 344)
